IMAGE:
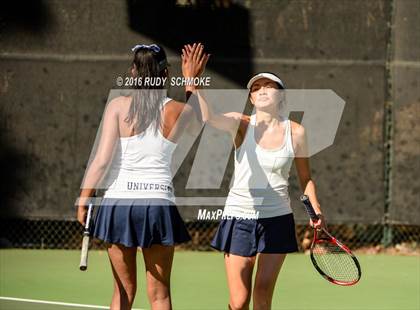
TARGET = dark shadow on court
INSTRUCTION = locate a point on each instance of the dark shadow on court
(13, 166)
(24, 16)
(222, 26)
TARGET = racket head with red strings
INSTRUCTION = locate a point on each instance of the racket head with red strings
(332, 259)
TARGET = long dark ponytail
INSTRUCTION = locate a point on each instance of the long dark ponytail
(149, 62)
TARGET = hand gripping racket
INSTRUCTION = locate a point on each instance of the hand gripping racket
(332, 259)
(85, 241)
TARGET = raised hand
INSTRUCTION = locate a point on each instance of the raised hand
(194, 60)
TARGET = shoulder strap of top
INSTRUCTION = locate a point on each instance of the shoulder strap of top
(166, 100)
(289, 134)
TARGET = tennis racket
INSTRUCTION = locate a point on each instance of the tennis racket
(86, 238)
(332, 259)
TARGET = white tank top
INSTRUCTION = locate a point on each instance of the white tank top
(260, 186)
(141, 166)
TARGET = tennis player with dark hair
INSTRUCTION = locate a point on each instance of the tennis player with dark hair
(139, 135)
(258, 225)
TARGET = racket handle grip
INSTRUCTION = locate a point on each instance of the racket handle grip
(85, 241)
(308, 206)
(84, 253)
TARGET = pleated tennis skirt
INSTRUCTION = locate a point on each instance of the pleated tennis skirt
(139, 222)
(247, 237)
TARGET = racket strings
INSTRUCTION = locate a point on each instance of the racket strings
(335, 262)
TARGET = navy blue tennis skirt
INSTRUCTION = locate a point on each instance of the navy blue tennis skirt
(247, 237)
(139, 222)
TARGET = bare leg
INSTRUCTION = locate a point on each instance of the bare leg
(158, 261)
(268, 268)
(124, 269)
(239, 276)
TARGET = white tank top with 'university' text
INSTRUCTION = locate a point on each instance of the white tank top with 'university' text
(141, 166)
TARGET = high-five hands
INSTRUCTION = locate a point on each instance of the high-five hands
(194, 60)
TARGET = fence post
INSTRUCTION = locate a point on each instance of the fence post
(387, 237)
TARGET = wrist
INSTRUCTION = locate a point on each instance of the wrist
(190, 88)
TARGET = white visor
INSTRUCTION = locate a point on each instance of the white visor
(267, 75)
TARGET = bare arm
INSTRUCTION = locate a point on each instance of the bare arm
(227, 122)
(307, 184)
(178, 118)
(193, 63)
(103, 156)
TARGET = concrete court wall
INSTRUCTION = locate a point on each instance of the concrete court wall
(57, 69)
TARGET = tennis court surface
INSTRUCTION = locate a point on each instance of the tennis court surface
(198, 282)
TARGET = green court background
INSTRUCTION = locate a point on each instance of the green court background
(198, 282)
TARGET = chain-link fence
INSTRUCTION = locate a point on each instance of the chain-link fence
(53, 234)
